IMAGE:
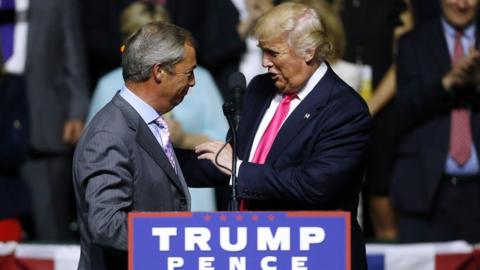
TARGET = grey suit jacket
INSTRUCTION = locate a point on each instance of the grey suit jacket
(120, 167)
(55, 72)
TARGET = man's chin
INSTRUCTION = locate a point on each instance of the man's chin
(279, 85)
(178, 100)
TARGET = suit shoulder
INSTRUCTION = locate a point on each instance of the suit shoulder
(418, 34)
(344, 95)
(109, 119)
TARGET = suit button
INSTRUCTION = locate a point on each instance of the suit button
(454, 180)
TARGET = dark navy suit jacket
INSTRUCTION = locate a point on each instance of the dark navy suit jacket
(316, 160)
(423, 118)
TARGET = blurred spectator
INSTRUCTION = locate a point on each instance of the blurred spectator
(220, 46)
(212, 22)
(197, 119)
(436, 181)
(100, 21)
(369, 27)
(425, 10)
(250, 11)
(386, 88)
(379, 177)
(14, 197)
(48, 56)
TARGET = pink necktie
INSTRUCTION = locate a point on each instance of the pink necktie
(272, 129)
(460, 132)
(269, 136)
(166, 142)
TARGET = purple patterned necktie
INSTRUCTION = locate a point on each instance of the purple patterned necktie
(6, 31)
(166, 142)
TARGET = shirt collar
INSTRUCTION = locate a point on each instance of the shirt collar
(468, 32)
(312, 81)
(146, 111)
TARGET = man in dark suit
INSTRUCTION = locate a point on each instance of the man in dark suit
(302, 132)
(436, 179)
(125, 161)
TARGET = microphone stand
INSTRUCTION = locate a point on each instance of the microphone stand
(229, 112)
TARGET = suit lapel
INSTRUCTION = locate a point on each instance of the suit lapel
(438, 45)
(252, 121)
(303, 114)
(147, 141)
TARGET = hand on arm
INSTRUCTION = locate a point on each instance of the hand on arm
(209, 151)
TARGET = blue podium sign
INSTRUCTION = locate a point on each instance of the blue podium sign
(310, 240)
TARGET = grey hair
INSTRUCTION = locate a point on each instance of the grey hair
(299, 25)
(154, 43)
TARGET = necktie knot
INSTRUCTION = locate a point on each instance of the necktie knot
(287, 98)
(161, 122)
(458, 35)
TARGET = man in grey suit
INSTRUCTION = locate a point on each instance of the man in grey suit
(124, 161)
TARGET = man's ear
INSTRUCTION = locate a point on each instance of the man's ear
(158, 72)
(309, 54)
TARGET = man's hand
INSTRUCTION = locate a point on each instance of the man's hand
(210, 149)
(72, 130)
(463, 72)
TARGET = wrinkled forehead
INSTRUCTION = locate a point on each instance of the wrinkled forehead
(278, 43)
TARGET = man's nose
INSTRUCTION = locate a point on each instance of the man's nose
(266, 61)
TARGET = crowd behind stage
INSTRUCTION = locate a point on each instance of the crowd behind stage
(413, 62)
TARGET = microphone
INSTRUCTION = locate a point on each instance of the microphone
(231, 109)
(237, 84)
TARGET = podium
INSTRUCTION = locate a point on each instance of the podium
(239, 240)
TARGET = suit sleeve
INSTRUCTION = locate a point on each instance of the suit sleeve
(75, 73)
(199, 173)
(332, 161)
(105, 171)
(419, 98)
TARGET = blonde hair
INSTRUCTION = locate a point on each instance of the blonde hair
(138, 14)
(299, 25)
(333, 24)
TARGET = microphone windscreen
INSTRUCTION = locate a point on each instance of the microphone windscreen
(237, 81)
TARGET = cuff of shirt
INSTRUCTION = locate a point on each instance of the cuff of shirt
(239, 162)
